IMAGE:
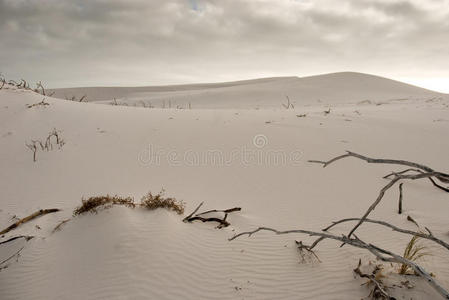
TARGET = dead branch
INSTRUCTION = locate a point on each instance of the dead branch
(26, 237)
(380, 253)
(409, 218)
(222, 222)
(418, 171)
(420, 234)
(43, 103)
(443, 177)
(38, 213)
(400, 199)
(379, 291)
(226, 211)
(196, 209)
(385, 188)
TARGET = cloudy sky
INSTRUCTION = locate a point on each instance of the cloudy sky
(147, 42)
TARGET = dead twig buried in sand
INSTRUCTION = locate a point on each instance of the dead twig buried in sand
(222, 222)
(382, 254)
(38, 213)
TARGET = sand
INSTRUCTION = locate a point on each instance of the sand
(238, 156)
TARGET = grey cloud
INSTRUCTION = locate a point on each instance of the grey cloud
(99, 42)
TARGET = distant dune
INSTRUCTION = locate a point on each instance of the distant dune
(335, 88)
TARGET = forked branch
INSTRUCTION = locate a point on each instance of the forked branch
(380, 253)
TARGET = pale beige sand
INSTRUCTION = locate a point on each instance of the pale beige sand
(136, 254)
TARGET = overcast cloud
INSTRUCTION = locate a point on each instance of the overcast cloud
(122, 42)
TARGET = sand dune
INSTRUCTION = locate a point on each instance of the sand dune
(123, 253)
(331, 89)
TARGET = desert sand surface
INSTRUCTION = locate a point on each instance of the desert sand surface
(335, 88)
(252, 153)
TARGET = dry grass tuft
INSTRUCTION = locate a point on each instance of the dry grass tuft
(93, 203)
(413, 251)
(158, 201)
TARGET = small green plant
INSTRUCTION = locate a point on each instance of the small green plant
(413, 251)
(151, 202)
(93, 203)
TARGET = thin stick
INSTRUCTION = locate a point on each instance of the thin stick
(196, 209)
(400, 198)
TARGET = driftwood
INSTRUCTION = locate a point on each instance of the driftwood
(400, 199)
(428, 236)
(443, 177)
(222, 222)
(422, 172)
(38, 213)
(382, 254)
(379, 291)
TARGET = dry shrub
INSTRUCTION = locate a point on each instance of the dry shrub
(158, 201)
(413, 251)
(93, 203)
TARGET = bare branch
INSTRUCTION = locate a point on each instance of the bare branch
(385, 188)
(196, 209)
(443, 177)
(420, 234)
(356, 242)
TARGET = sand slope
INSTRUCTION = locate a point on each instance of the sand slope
(331, 89)
(136, 254)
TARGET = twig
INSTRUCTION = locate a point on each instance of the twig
(196, 209)
(58, 227)
(400, 199)
(38, 213)
(222, 222)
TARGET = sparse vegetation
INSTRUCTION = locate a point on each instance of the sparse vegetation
(288, 105)
(413, 251)
(73, 98)
(92, 204)
(42, 103)
(152, 202)
(53, 136)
